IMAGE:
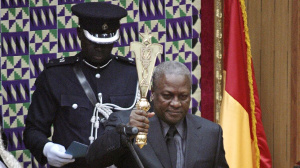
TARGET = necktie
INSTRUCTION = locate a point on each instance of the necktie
(171, 145)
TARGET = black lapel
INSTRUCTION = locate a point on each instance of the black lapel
(157, 142)
(194, 141)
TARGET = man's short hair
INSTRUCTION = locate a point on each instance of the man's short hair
(167, 68)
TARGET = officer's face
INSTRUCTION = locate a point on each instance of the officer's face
(96, 54)
(171, 97)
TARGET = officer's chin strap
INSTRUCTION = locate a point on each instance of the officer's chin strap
(106, 109)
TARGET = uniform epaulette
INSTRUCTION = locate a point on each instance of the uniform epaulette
(124, 59)
(62, 61)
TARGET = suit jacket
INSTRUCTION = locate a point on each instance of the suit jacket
(204, 145)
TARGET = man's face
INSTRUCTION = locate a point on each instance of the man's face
(96, 54)
(171, 98)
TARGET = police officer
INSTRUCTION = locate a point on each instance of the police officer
(75, 94)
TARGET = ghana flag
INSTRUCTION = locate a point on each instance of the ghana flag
(244, 137)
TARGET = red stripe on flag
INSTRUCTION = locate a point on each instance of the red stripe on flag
(235, 54)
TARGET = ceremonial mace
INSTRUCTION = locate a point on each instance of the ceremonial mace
(145, 54)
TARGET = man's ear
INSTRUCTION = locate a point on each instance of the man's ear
(152, 94)
(152, 90)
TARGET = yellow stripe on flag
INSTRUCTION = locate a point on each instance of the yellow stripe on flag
(236, 133)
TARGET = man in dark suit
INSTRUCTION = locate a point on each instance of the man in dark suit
(194, 141)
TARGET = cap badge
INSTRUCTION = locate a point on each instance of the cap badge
(104, 26)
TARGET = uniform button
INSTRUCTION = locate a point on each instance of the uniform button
(97, 75)
(74, 106)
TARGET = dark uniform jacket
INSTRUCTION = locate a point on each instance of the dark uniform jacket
(204, 145)
(60, 100)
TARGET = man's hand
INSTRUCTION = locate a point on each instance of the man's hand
(56, 155)
(139, 119)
